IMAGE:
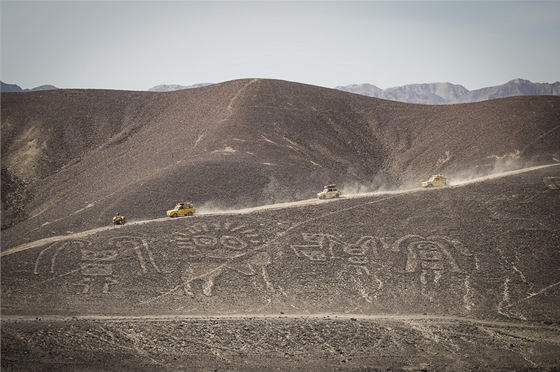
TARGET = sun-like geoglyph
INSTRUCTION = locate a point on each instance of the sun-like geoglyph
(214, 248)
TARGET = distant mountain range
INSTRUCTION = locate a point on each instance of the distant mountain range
(14, 88)
(174, 87)
(429, 94)
(446, 93)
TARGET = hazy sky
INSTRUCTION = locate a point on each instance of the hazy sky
(135, 45)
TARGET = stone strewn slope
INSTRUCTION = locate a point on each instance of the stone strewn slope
(80, 156)
(459, 278)
(487, 250)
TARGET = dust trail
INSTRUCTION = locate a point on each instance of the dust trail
(379, 183)
(464, 178)
(502, 164)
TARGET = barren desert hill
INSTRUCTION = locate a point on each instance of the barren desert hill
(78, 156)
(458, 278)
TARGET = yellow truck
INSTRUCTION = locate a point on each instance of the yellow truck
(181, 209)
(435, 180)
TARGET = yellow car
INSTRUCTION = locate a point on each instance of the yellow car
(435, 180)
(329, 191)
(181, 209)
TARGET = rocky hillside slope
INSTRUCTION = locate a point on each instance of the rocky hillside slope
(458, 278)
(388, 277)
(72, 158)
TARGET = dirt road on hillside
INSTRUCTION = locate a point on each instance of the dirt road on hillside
(81, 234)
(435, 319)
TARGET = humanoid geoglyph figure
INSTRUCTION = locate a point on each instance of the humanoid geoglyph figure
(431, 256)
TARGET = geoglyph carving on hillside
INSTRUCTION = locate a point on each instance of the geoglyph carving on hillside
(96, 266)
(368, 263)
(207, 251)
(97, 270)
(214, 248)
(49, 255)
(552, 183)
(324, 247)
(431, 257)
(142, 250)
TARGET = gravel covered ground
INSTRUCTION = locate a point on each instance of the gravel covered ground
(459, 278)
(265, 276)
(279, 343)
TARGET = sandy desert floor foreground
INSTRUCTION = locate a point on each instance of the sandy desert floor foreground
(456, 279)
(296, 342)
